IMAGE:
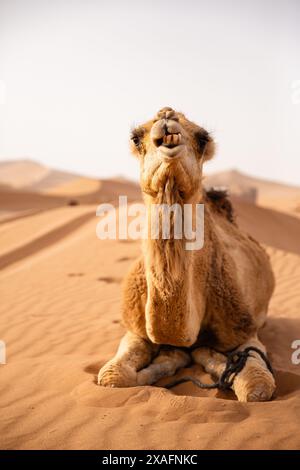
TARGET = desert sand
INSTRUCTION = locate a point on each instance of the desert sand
(60, 320)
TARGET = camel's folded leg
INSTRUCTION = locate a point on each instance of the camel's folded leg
(254, 383)
(133, 354)
(164, 365)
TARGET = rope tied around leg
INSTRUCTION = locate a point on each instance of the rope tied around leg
(236, 361)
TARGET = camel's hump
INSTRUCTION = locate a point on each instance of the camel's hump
(220, 201)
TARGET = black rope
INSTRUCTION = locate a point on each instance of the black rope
(236, 361)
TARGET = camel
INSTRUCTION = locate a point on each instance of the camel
(181, 305)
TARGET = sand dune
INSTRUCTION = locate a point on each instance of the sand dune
(271, 194)
(28, 174)
(269, 226)
(60, 319)
(32, 177)
(16, 203)
(21, 173)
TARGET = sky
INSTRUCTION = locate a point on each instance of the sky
(77, 75)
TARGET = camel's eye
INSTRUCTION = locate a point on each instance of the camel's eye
(202, 138)
(136, 140)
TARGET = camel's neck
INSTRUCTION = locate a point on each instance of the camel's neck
(171, 316)
(165, 254)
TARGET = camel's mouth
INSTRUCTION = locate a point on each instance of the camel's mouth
(170, 140)
(170, 145)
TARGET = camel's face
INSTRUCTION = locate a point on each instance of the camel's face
(171, 147)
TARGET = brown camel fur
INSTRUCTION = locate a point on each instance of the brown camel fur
(214, 298)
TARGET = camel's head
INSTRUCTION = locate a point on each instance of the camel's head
(171, 149)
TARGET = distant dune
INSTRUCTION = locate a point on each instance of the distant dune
(266, 193)
(16, 203)
(28, 174)
(27, 187)
(21, 173)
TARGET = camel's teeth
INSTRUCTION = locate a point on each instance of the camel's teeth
(172, 139)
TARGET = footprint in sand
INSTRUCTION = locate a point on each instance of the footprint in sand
(90, 394)
(109, 280)
(124, 258)
(158, 403)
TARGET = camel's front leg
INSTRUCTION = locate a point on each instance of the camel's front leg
(133, 354)
(164, 365)
(254, 383)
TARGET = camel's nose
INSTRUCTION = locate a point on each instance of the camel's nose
(166, 113)
(166, 130)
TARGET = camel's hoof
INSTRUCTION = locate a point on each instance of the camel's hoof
(117, 375)
(261, 392)
(260, 388)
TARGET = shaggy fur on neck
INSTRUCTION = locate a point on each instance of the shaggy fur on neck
(169, 270)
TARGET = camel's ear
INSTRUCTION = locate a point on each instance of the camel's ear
(205, 144)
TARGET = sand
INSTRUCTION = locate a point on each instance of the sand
(60, 319)
(270, 194)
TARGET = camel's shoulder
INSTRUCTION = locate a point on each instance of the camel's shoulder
(219, 201)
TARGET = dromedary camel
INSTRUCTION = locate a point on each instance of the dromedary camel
(200, 303)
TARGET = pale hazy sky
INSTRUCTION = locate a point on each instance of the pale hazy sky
(78, 74)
